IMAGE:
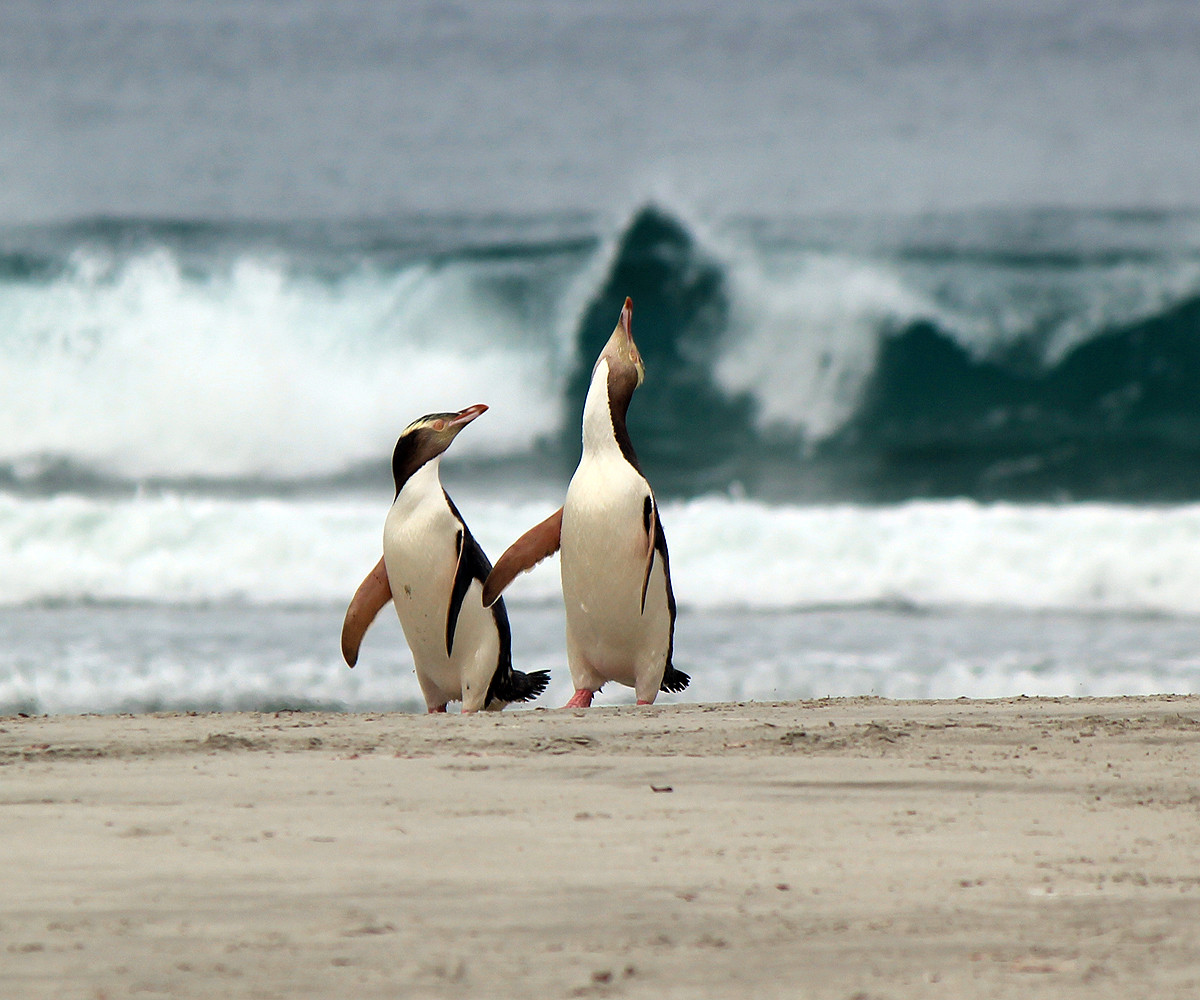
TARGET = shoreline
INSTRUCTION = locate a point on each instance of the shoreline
(845, 847)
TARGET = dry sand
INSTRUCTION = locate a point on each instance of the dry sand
(849, 848)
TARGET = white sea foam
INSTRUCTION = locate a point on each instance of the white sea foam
(143, 368)
(1079, 557)
(238, 603)
(805, 337)
(725, 553)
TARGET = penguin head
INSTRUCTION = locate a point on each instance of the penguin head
(625, 369)
(426, 438)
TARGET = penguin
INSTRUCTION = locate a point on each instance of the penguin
(433, 571)
(616, 574)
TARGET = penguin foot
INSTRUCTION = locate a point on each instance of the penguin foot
(438, 709)
(580, 699)
(643, 702)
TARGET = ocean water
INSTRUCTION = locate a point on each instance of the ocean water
(917, 287)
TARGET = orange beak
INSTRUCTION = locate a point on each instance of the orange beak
(464, 417)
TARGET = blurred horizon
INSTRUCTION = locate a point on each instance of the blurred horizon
(309, 110)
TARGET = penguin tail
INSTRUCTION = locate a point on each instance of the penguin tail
(520, 686)
(674, 680)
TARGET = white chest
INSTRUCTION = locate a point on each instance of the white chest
(420, 551)
(604, 537)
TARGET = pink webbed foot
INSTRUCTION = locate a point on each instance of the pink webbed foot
(580, 699)
(437, 710)
(641, 702)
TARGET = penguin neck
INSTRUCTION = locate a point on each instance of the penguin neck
(426, 481)
(604, 430)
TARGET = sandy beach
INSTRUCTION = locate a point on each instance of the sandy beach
(845, 848)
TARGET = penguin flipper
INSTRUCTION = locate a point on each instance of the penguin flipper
(372, 594)
(673, 680)
(539, 542)
(650, 523)
(463, 575)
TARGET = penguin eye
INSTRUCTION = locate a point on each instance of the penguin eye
(439, 425)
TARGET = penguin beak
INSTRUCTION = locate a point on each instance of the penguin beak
(464, 417)
(622, 340)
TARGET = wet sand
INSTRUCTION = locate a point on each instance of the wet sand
(843, 848)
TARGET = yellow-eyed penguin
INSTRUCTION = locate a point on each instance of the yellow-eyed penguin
(433, 571)
(616, 577)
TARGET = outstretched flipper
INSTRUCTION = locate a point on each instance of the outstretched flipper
(372, 594)
(531, 548)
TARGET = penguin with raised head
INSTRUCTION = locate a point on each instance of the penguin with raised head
(616, 576)
(433, 571)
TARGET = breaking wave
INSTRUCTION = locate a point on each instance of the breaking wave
(965, 356)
